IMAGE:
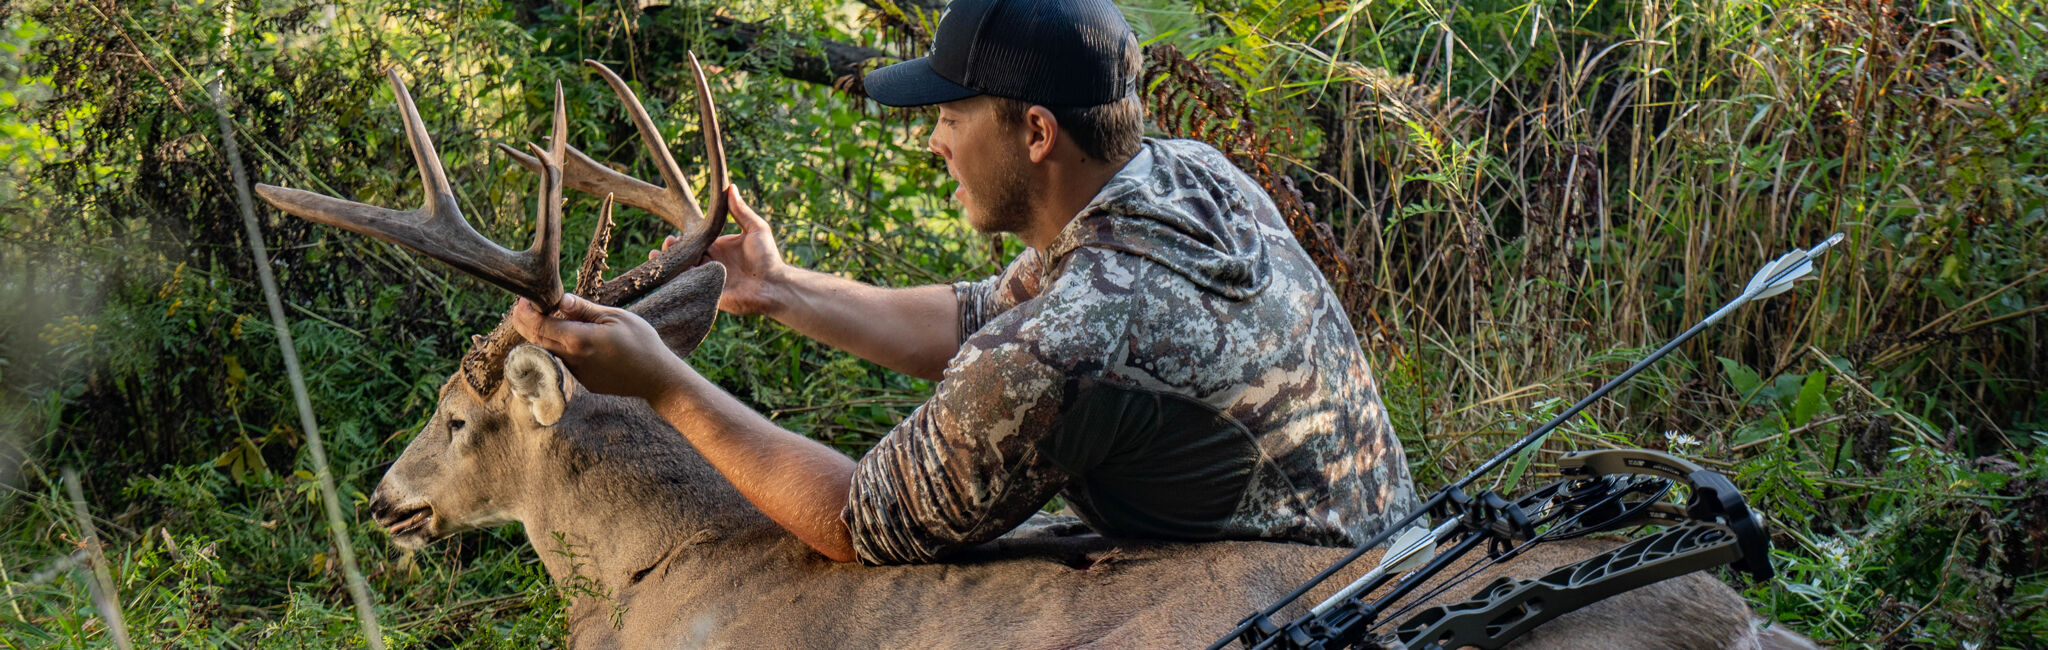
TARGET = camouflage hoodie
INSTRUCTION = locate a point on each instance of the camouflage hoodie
(1172, 364)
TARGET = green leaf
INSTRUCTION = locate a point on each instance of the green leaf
(1952, 269)
(241, 459)
(1810, 398)
(1805, 589)
(1755, 431)
(1745, 380)
(1785, 388)
(1514, 476)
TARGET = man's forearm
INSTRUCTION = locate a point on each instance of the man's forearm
(912, 330)
(799, 483)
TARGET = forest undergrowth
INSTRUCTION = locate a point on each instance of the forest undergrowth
(1515, 199)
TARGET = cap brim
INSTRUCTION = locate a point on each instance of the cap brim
(912, 83)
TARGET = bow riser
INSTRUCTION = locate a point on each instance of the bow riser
(1603, 491)
(1508, 609)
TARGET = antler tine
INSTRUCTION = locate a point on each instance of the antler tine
(547, 236)
(590, 277)
(657, 148)
(714, 146)
(440, 195)
(698, 229)
(437, 228)
(559, 141)
(592, 177)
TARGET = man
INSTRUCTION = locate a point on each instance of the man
(1164, 355)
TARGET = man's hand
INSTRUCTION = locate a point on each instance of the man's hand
(796, 481)
(610, 350)
(754, 270)
(910, 330)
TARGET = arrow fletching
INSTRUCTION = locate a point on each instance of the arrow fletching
(1409, 549)
(1777, 277)
(1800, 270)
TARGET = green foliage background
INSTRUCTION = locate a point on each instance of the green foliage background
(1531, 194)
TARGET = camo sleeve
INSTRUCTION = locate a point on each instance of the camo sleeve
(995, 294)
(968, 465)
(964, 467)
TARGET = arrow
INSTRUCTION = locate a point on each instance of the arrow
(1773, 279)
(1410, 549)
(1777, 277)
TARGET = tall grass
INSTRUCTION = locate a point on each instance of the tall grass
(1526, 196)
(1535, 193)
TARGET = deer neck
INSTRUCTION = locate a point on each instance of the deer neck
(625, 496)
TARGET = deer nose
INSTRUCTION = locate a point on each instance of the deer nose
(380, 505)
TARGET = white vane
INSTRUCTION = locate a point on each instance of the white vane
(1777, 277)
(1409, 549)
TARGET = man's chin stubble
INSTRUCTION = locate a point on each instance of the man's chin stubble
(1006, 214)
(987, 226)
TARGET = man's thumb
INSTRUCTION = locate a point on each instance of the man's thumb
(575, 308)
(743, 214)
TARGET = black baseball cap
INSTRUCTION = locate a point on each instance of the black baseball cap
(1049, 52)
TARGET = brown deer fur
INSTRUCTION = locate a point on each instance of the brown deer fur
(658, 551)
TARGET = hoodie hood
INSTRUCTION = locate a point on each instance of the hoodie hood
(1182, 204)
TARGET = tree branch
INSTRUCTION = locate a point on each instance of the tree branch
(931, 6)
(909, 15)
(830, 63)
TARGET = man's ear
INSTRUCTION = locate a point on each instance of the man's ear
(1041, 133)
(539, 383)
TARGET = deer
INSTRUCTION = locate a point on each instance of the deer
(658, 550)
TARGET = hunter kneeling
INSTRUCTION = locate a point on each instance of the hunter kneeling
(1163, 354)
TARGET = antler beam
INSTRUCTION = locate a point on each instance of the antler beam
(438, 229)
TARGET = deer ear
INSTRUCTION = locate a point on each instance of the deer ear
(539, 383)
(683, 310)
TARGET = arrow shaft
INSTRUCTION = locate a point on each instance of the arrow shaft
(1502, 457)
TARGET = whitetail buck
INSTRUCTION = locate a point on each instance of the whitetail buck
(659, 551)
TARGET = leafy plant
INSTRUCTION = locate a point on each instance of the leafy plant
(1523, 195)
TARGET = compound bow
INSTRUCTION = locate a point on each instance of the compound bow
(1601, 491)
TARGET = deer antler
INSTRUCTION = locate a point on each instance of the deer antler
(673, 202)
(437, 228)
(681, 309)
